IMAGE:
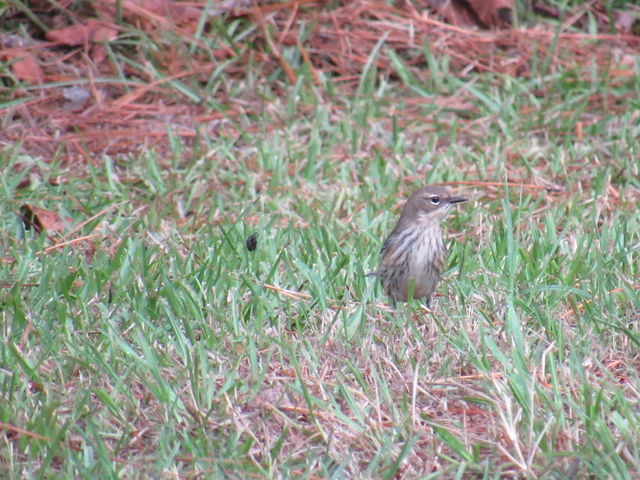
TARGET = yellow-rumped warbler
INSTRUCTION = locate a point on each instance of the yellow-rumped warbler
(413, 256)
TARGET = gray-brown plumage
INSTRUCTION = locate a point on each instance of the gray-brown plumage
(415, 253)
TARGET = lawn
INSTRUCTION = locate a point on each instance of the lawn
(144, 339)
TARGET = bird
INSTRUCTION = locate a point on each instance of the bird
(412, 258)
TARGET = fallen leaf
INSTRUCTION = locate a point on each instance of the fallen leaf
(26, 68)
(101, 31)
(484, 13)
(71, 36)
(81, 34)
(41, 219)
(493, 13)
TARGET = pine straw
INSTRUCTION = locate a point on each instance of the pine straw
(121, 119)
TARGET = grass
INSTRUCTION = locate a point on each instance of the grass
(161, 347)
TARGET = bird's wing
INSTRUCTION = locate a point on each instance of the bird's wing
(384, 246)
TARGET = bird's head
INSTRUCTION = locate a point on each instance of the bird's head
(430, 204)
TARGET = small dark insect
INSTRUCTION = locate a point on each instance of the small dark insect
(252, 242)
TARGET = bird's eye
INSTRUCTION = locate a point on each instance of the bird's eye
(435, 200)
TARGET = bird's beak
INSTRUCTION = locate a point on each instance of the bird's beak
(456, 199)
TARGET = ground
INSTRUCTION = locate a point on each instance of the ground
(194, 196)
